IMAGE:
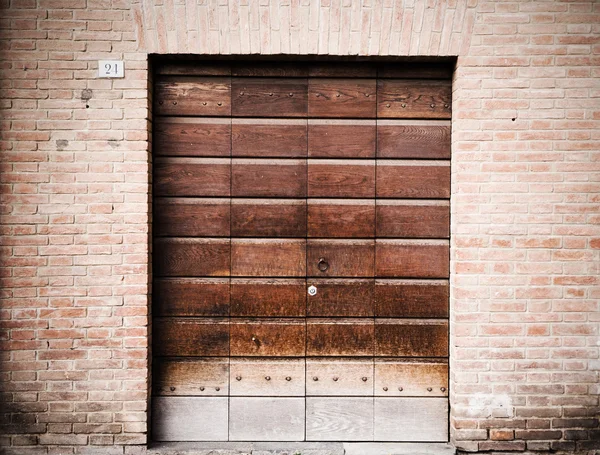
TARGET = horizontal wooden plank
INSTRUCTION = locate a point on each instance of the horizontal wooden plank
(340, 258)
(341, 218)
(339, 419)
(190, 217)
(176, 136)
(414, 98)
(411, 338)
(268, 257)
(268, 217)
(342, 98)
(269, 138)
(185, 257)
(412, 259)
(184, 337)
(192, 177)
(341, 298)
(193, 68)
(268, 377)
(266, 419)
(268, 69)
(201, 96)
(190, 376)
(339, 377)
(411, 419)
(426, 378)
(341, 178)
(406, 139)
(413, 219)
(269, 97)
(417, 70)
(402, 179)
(412, 298)
(190, 297)
(269, 178)
(268, 297)
(268, 337)
(340, 337)
(190, 418)
(342, 138)
(342, 69)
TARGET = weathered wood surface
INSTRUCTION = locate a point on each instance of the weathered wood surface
(412, 98)
(191, 257)
(268, 217)
(411, 338)
(184, 337)
(413, 139)
(416, 179)
(268, 178)
(268, 377)
(424, 378)
(340, 258)
(413, 219)
(412, 258)
(190, 297)
(190, 377)
(412, 298)
(340, 98)
(267, 69)
(339, 419)
(341, 218)
(341, 298)
(417, 70)
(411, 419)
(200, 177)
(269, 97)
(340, 338)
(339, 377)
(268, 297)
(269, 138)
(193, 68)
(199, 96)
(342, 138)
(190, 136)
(268, 257)
(268, 338)
(191, 217)
(341, 178)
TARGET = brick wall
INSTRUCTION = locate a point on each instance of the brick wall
(74, 157)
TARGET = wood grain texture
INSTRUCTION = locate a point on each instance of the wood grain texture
(407, 219)
(268, 298)
(339, 419)
(175, 136)
(268, 218)
(191, 217)
(412, 98)
(269, 97)
(190, 376)
(340, 337)
(269, 178)
(192, 177)
(267, 69)
(190, 297)
(191, 257)
(342, 138)
(411, 338)
(341, 218)
(343, 258)
(339, 377)
(340, 98)
(268, 377)
(425, 378)
(200, 96)
(184, 337)
(193, 68)
(398, 179)
(412, 298)
(268, 337)
(413, 140)
(266, 419)
(190, 418)
(268, 257)
(341, 298)
(341, 178)
(412, 259)
(416, 70)
(269, 138)
(342, 69)
(411, 419)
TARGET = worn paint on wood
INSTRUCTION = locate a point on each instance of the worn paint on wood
(413, 139)
(412, 98)
(413, 179)
(412, 298)
(189, 136)
(339, 419)
(421, 378)
(341, 138)
(191, 217)
(268, 337)
(191, 257)
(413, 219)
(340, 98)
(190, 297)
(341, 337)
(339, 377)
(341, 218)
(412, 258)
(341, 178)
(268, 178)
(269, 97)
(269, 138)
(268, 297)
(200, 177)
(200, 96)
(411, 419)
(267, 377)
(268, 257)
(184, 337)
(268, 217)
(411, 338)
(190, 377)
(341, 298)
(340, 258)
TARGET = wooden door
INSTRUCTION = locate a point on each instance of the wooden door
(301, 252)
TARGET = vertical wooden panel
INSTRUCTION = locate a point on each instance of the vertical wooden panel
(267, 378)
(340, 258)
(411, 419)
(200, 177)
(189, 136)
(341, 138)
(341, 298)
(413, 139)
(268, 178)
(272, 97)
(191, 257)
(411, 338)
(199, 337)
(341, 218)
(412, 98)
(193, 376)
(268, 297)
(342, 98)
(269, 138)
(268, 257)
(339, 419)
(413, 179)
(190, 297)
(268, 217)
(339, 337)
(191, 217)
(201, 96)
(268, 337)
(412, 258)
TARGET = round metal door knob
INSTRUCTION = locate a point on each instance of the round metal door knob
(323, 265)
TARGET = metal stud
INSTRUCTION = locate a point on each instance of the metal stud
(267, 378)
(238, 378)
(318, 95)
(364, 379)
(219, 104)
(443, 389)
(432, 105)
(338, 95)
(335, 378)
(174, 103)
(385, 389)
(403, 104)
(271, 94)
(388, 105)
(446, 106)
(204, 104)
(367, 95)
(217, 388)
(288, 378)
(160, 102)
(429, 389)
(241, 93)
(201, 389)
(315, 378)
(291, 94)
(400, 389)
(172, 389)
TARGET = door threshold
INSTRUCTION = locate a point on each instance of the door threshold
(301, 448)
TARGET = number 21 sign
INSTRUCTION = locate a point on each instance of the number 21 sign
(111, 68)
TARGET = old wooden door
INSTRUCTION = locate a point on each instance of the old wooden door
(301, 252)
